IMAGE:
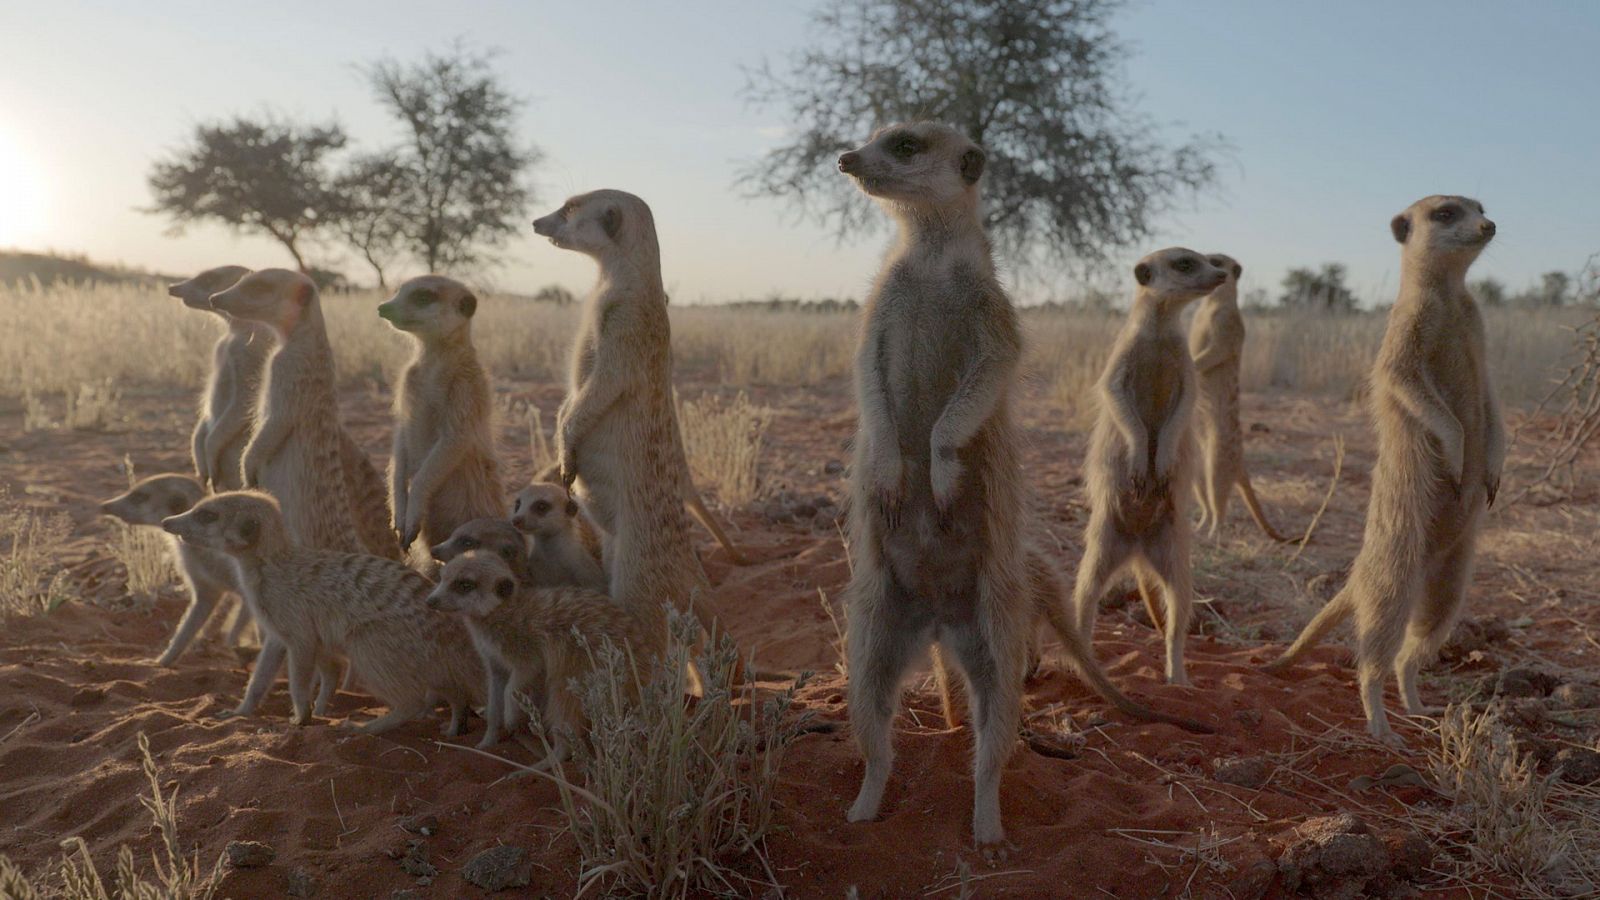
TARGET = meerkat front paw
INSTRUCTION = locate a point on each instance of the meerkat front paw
(884, 472)
(1491, 487)
(412, 530)
(945, 474)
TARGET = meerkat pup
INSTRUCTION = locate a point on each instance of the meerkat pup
(1141, 453)
(565, 548)
(227, 407)
(208, 576)
(317, 603)
(695, 503)
(541, 637)
(938, 504)
(1216, 341)
(617, 436)
(1441, 448)
(443, 471)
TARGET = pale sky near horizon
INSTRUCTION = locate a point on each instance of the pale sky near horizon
(1339, 115)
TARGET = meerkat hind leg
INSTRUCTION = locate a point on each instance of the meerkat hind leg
(268, 661)
(1380, 628)
(394, 718)
(1431, 622)
(994, 689)
(201, 606)
(302, 664)
(1149, 591)
(327, 679)
(880, 647)
(1105, 553)
(1168, 560)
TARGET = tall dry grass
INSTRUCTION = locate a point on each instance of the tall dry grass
(723, 439)
(31, 582)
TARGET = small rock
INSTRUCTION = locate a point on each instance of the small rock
(423, 824)
(1253, 881)
(1473, 635)
(776, 512)
(1576, 695)
(1578, 765)
(1333, 858)
(1250, 717)
(299, 884)
(1259, 428)
(249, 854)
(1245, 771)
(1523, 681)
(1526, 713)
(499, 868)
(1410, 854)
(415, 862)
(833, 467)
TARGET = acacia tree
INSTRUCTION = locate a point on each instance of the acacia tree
(1319, 291)
(263, 176)
(463, 188)
(368, 209)
(1072, 173)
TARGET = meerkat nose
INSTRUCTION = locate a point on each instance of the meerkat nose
(1487, 227)
(849, 161)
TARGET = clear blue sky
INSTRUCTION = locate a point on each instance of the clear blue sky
(1340, 115)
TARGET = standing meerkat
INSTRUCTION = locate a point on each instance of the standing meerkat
(617, 436)
(443, 471)
(404, 653)
(1140, 463)
(1216, 341)
(1441, 448)
(565, 548)
(208, 576)
(539, 636)
(939, 509)
(227, 406)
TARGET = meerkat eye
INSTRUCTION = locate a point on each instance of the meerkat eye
(568, 209)
(1184, 265)
(1447, 214)
(469, 543)
(424, 298)
(541, 507)
(464, 586)
(137, 496)
(905, 146)
(205, 516)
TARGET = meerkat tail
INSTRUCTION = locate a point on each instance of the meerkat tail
(947, 696)
(1148, 588)
(1088, 669)
(1248, 493)
(1336, 611)
(703, 515)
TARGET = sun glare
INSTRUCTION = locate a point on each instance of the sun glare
(22, 194)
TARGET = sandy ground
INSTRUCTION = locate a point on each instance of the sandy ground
(78, 685)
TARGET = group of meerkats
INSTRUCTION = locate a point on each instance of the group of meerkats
(947, 552)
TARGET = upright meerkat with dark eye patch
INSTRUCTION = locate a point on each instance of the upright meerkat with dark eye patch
(208, 576)
(617, 435)
(1216, 341)
(940, 523)
(398, 649)
(565, 548)
(1441, 448)
(227, 407)
(443, 472)
(1141, 454)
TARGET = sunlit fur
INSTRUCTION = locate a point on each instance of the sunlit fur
(564, 547)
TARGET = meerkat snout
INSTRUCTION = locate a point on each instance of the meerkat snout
(849, 162)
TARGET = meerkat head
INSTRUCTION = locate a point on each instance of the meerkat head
(196, 292)
(153, 499)
(1177, 275)
(495, 536)
(1445, 227)
(473, 583)
(543, 510)
(238, 523)
(600, 223)
(431, 306)
(918, 165)
(276, 297)
(1227, 264)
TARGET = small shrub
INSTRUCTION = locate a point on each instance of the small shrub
(723, 441)
(28, 585)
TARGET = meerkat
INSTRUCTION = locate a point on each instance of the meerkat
(443, 471)
(695, 503)
(565, 548)
(617, 437)
(404, 653)
(501, 538)
(538, 636)
(227, 406)
(1140, 464)
(938, 505)
(1216, 342)
(208, 576)
(1441, 449)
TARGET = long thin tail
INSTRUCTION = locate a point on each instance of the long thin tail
(1251, 503)
(698, 508)
(947, 699)
(1337, 610)
(1088, 669)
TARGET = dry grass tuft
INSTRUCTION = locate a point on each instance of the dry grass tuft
(143, 551)
(174, 876)
(29, 583)
(675, 794)
(723, 440)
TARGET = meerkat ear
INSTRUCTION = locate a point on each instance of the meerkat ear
(1141, 273)
(504, 588)
(178, 506)
(1237, 271)
(244, 533)
(1401, 226)
(972, 165)
(611, 221)
(468, 305)
(304, 291)
(572, 507)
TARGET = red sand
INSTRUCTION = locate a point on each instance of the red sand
(78, 686)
